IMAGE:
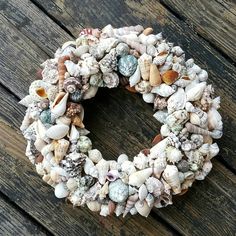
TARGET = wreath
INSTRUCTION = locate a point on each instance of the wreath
(143, 62)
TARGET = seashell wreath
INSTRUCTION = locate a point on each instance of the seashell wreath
(57, 141)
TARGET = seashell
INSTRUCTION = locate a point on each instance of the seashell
(104, 191)
(127, 65)
(71, 84)
(84, 144)
(122, 49)
(63, 120)
(154, 186)
(57, 131)
(62, 68)
(148, 97)
(128, 167)
(159, 165)
(139, 177)
(203, 75)
(214, 119)
(135, 77)
(52, 93)
(188, 175)
(90, 169)
(176, 101)
(26, 101)
(47, 149)
(157, 139)
(88, 65)
(177, 118)
(195, 93)
(148, 39)
(140, 161)
(94, 206)
(119, 209)
(60, 148)
(45, 116)
(61, 191)
(111, 80)
(141, 48)
(206, 168)
(104, 210)
(113, 165)
(74, 134)
(144, 64)
(151, 50)
(143, 208)
(26, 121)
(49, 74)
(109, 62)
(216, 134)
(142, 193)
(170, 76)
(102, 167)
(189, 107)
(130, 203)
(143, 87)
(160, 59)
(132, 190)
(148, 31)
(158, 150)
(118, 191)
(133, 211)
(213, 150)
(165, 131)
(177, 50)
(58, 107)
(163, 90)
(163, 47)
(96, 80)
(160, 103)
(39, 144)
(82, 49)
(71, 184)
(195, 129)
(95, 155)
(199, 118)
(197, 139)
(112, 175)
(173, 154)
(155, 77)
(216, 103)
(182, 82)
(122, 158)
(90, 93)
(171, 176)
(38, 90)
(150, 200)
(58, 174)
(187, 183)
(183, 166)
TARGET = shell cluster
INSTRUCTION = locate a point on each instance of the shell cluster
(58, 143)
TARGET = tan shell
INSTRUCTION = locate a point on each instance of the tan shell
(148, 31)
(155, 77)
(170, 76)
(60, 148)
(143, 208)
(144, 64)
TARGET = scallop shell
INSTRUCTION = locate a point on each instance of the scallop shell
(176, 101)
(139, 177)
(95, 155)
(214, 119)
(58, 107)
(57, 131)
(94, 206)
(143, 192)
(144, 63)
(171, 176)
(102, 167)
(60, 148)
(163, 90)
(135, 78)
(143, 208)
(127, 65)
(195, 93)
(111, 80)
(155, 77)
(118, 191)
(173, 154)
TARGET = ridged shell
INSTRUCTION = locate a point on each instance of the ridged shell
(111, 80)
(176, 101)
(130, 203)
(144, 63)
(118, 191)
(127, 65)
(173, 154)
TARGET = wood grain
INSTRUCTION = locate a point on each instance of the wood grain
(15, 223)
(222, 73)
(211, 19)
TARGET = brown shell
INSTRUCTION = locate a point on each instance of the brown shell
(73, 109)
(41, 92)
(157, 139)
(148, 31)
(61, 70)
(77, 122)
(170, 76)
(131, 89)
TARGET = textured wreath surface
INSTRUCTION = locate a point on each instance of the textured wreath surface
(144, 62)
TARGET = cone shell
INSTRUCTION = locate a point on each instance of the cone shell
(170, 76)
(139, 177)
(102, 167)
(144, 63)
(155, 77)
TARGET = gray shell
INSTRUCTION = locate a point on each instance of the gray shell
(127, 65)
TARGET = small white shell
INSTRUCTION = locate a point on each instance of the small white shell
(173, 154)
(95, 155)
(143, 208)
(148, 97)
(165, 131)
(102, 167)
(94, 206)
(196, 92)
(57, 131)
(176, 101)
(214, 120)
(161, 115)
(213, 150)
(139, 177)
(163, 90)
(60, 190)
(142, 193)
(135, 78)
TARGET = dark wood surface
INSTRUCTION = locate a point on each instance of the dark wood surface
(120, 122)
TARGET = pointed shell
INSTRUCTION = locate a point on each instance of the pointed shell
(60, 149)
(59, 105)
(163, 90)
(102, 167)
(57, 131)
(130, 203)
(195, 93)
(139, 177)
(176, 101)
(135, 78)
(155, 77)
(142, 193)
(144, 63)
(143, 208)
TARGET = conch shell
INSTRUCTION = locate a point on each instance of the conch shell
(163, 90)
(195, 93)
(58, 107)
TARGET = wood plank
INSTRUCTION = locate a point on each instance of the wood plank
(199, 205)
(14, 222)
(210, 19)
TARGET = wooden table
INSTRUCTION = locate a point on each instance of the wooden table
(31, 30)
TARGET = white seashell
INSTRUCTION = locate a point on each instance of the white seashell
(95, 155)
(26, 101)
(176, 101)
(90, 93)
(139, 177)
(189, 63)
(39, 144)
(90, 169)
(204, 149)
(150, 200)
(214, 119)
(167, 66)
(72, 184)
(154, 186)
(142, 193)
(135, 78)
(102, 167)
(94, 206)
(140, 161)
(163, 90)
(143, 208)
(61, 191)
(160, 59)
(182, 82)
(113, 165)
(72, 68)
(196, 69)
(159, 150)
(173, 154)
(118, 191)
(199, 118)
(133, 211)
(177, 50)
(206, 168)
(151, 50)
(47, 149)
(112, 175)
(74, 134)
(57, 131)
(171, 176)
(163, 47)
(181, 177)
(35, 87)
(165, 131)
(104, 191)
(159, 166)
(104, 210)
(128, 167)
(119, 209)
(122, 158)
(58, 174)
(196, 92)
(213, 150)
(148, 97)
(203, 75)
(79, 51)
(189, 107)
(161, 116)
(63, 120)
(188, 175)
(216, 103)
(58, 107)
(111, 80)
(216, 134)
(144, 62)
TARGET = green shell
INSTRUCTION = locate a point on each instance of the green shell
(127, 65)
(45, 116)
(84, 144)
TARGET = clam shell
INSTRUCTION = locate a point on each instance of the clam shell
(57, 131)
(139, 177)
